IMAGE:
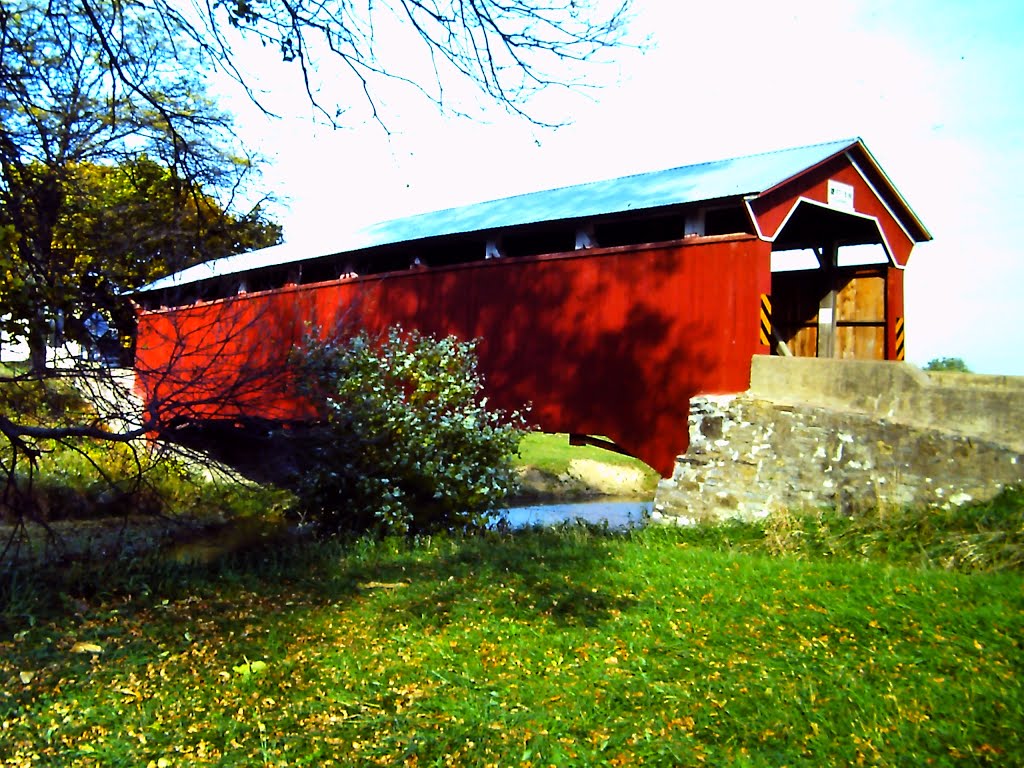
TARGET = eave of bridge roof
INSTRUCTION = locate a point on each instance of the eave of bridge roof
(743, 176)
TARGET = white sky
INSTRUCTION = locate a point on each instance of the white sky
(934, 87)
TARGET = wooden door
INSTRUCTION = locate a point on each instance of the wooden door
(860, 316)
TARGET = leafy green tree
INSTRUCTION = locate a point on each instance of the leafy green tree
(120, 227)
(93, 84)
(954, 364)
(407, 443)
(107, 81)
(73, 93)
(125, 225)
(136, 221)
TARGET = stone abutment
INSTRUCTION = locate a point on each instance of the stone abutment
(846, 434)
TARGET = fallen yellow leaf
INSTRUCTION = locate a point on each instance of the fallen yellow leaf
(26, 676)
(86, 648)
(250, 668)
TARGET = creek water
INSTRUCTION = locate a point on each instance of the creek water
(248, 532)
(630, 513)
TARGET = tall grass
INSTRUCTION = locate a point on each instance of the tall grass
(983, 536)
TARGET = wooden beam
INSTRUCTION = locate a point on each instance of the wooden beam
(827, 305)
(577, 439)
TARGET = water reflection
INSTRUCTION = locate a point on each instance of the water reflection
(617, 514)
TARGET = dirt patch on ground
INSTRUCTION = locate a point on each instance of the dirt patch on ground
(584, 479)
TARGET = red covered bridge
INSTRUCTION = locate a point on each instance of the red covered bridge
(607, 306)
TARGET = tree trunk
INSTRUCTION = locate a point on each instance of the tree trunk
(38, 332)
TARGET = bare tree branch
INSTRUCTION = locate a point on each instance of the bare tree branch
(102, 83)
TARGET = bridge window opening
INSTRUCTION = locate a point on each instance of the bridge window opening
(794, 260)
(494, 248)
(269, 279)
(848, 256)
(389, 260)
(585, 237)
(653, 230)
(693, 223)
(727, 221)
(434, 253)
(321, 271)
(857, 255)
(456, 251)
(536, 243)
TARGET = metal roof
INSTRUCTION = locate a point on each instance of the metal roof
(748, 175)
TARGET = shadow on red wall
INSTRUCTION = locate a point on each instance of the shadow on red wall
(610, 342)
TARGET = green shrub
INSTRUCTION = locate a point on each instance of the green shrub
(407, 443)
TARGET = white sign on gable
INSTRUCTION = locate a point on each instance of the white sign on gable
(840, 195)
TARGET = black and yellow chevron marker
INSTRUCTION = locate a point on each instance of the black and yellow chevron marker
(766, 319)
(900, 350)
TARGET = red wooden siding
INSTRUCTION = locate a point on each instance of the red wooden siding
(896, 312)
(609, 342)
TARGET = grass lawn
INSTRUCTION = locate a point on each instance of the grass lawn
(559, 647)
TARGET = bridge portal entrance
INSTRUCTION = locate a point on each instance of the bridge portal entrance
(836, 291)
(839, 313)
